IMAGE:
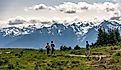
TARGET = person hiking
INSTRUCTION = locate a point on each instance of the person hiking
(48, 48)
(52, 47)
(87, 49)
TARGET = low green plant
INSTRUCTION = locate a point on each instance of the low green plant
(116, 54)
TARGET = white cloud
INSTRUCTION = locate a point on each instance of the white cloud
(16, 21)
(69, 7)
(36, 7)
(85, 6)
(3, 24)
(77, 12)
(119, 3)
(40, 6)
(51, 8)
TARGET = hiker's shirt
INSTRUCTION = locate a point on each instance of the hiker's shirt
(48, 46)
(87, 47)
(52, 45)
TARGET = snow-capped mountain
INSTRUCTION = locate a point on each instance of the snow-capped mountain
(36, 36)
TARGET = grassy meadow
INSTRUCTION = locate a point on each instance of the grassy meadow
(101, 58)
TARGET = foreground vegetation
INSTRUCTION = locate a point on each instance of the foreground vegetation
(31, 59)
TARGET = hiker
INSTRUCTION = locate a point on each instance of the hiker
(87, 49)
(48, 48)
(52, 47)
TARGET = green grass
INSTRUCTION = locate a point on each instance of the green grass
(31, 59)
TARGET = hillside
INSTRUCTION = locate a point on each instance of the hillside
(102, 58)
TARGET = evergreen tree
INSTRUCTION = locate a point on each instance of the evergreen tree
(99, 38)
(102, 37)
(112, 36)
(118, 38)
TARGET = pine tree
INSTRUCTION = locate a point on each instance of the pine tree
(102, 37)
(99, 38)
(112, 36)
(118, 38)
(105, 37)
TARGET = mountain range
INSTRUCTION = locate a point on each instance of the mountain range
(36, 36)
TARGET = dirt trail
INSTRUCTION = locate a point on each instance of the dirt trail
(89, 56)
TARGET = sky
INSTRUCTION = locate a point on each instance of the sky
(58, 10)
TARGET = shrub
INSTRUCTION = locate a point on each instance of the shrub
(116, 54)
(40, 50)
(63, 48)
(10, 66)
(69, 48)
(77, 47)
(3, 61)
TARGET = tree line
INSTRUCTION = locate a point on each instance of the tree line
(110, 36)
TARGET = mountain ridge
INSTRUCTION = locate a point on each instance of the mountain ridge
(71, 35)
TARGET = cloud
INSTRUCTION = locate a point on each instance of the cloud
(17, 20)
(43, 21)
(21, 20)
(36, 7)
(84, 5)
(119, 3)
(40, 6)
(70, 8)
(51, 8)
(69, 12)
(115, 18)
(67, 7)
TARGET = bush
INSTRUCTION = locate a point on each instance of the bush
(63, 48)
(116, 54)
(40, 50)
(69, 48)
(10, 66)
(3, 61)
(77, 47)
